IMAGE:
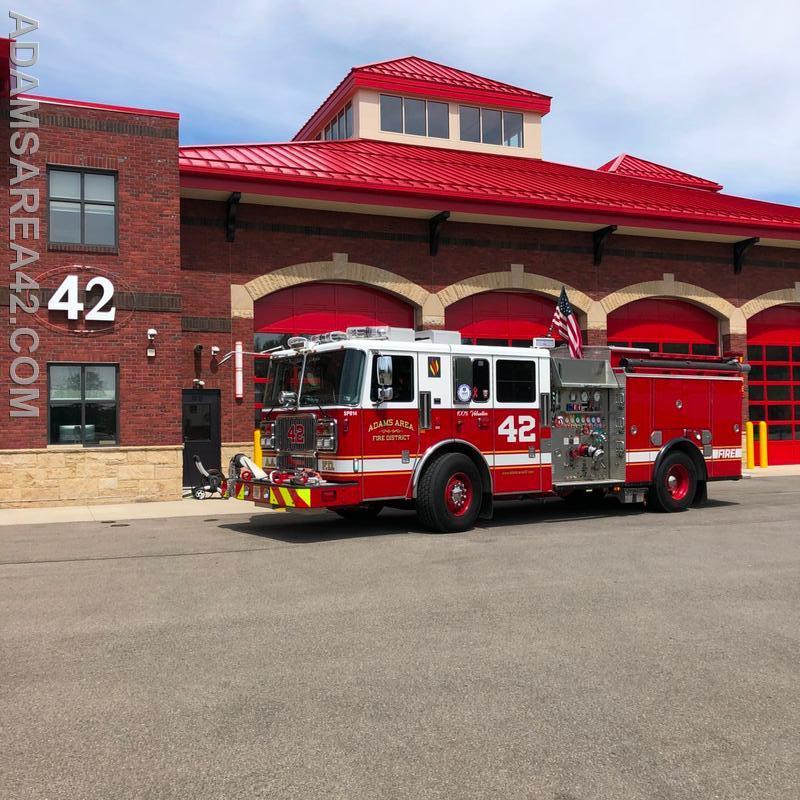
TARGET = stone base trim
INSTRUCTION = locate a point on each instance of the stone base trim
(74, 475)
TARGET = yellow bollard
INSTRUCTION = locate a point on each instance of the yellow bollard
(762, 444)
(258, 456)
(750, 445)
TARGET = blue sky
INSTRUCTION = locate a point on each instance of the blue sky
(709, 87)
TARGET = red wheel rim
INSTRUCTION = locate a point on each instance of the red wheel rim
(458, 494)
(677, 481)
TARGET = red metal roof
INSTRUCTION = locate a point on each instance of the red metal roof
(418, 76)
(633, 167)
(366, 171)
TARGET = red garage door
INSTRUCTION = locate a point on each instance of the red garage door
(665, 326)
(317, 308)
(500, 318)
(773, 350)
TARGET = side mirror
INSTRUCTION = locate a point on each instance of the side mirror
(384, 368)
(287, 398)
(385, 393)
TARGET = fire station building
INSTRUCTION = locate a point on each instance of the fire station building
(416, 195)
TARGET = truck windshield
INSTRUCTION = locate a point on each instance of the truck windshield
(332, 378)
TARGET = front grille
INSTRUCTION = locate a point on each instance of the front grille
(295, 434)
(292, 461)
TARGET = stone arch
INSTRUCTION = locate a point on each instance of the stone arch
(515, 279)
(428, 310)
(770, 299)
(731, 317)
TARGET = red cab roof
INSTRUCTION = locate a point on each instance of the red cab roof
(418, 76)
(633, 167)
(388, 173)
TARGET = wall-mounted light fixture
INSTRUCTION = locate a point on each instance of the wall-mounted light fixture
(151, 342)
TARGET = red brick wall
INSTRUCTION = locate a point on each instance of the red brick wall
(270, 238)
(143, 151)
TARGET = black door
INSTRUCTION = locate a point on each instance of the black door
(201, 433)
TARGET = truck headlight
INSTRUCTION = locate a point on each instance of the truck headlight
(326, 435)
(268, 435)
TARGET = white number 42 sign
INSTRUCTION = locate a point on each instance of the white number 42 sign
(518, 429)
(65, 298)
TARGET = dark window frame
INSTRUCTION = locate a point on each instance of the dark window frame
(498, 394)
(481, 139)
(83, 202)
(373, 377)
(61, 403)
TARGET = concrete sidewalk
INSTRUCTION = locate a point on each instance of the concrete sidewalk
(779, 471)
(188, 507)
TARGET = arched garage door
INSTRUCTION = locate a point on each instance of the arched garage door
(500, 318)
(665, 326)
(310, 308)
(773, 350)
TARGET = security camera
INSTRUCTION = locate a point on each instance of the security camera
(152, 333)
(198, 384)
(214, 350)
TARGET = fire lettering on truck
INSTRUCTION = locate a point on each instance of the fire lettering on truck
(390, 430)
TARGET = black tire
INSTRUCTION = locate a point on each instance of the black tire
(449, 494)
(675, 483)
(199, 493)
(359, 513)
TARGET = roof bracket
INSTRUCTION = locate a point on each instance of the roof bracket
(599, 242)
(739, 250)
(435, 228)
(231, 205)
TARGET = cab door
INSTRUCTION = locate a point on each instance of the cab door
(517, 422)
(435, 417)
(472, 402)
(390, 430)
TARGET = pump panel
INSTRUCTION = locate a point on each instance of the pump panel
(588, 424)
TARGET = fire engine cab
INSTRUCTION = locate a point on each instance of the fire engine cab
(358, 420)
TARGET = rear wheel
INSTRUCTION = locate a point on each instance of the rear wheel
(449, 494)
(359, 513)
(675, 483)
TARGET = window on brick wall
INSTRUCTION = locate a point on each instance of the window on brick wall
(83, 207)
(82, 403)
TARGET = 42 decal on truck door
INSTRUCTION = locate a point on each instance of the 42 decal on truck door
(518, 429)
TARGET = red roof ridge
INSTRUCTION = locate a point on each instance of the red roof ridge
(481, 78)
(635, 167)
(472, 88)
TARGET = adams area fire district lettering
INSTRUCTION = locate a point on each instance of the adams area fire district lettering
(390, 429)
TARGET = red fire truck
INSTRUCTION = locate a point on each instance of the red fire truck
(355, 421)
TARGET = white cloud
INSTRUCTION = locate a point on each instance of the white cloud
(710, 87)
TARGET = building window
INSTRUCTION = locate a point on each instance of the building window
(83, 403)
(83, 207)
(341, 126)
(490, 127)
(416, 117)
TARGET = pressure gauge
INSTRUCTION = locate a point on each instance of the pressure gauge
(584, 397)
(597, 397)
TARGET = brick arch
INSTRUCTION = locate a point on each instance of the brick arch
(427, 307)
(770, 299)
(515, 281)
(732, 318)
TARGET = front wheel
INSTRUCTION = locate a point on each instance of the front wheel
(449, 494)
(675, 483)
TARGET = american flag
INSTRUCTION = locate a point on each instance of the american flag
(565, 324)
